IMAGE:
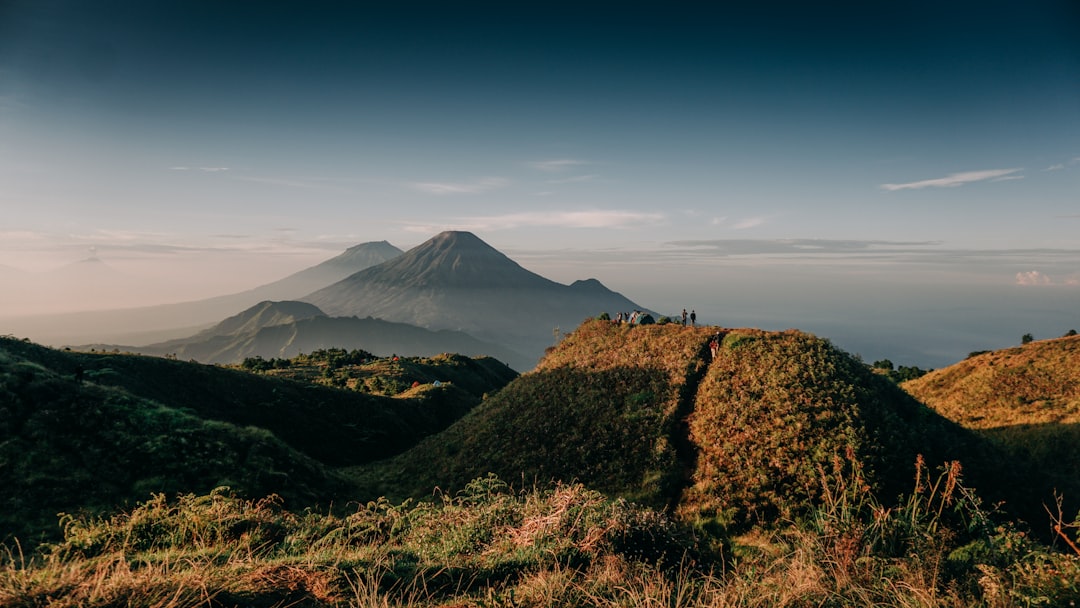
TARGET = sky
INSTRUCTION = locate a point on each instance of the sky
(865, 172)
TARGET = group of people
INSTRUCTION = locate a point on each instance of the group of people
(693, 317)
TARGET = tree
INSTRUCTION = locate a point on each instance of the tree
(1027, 339)
(883, 364)
(1070, 333)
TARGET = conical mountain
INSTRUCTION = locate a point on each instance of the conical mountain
(457, 281)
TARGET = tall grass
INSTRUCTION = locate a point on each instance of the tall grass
(562, 545)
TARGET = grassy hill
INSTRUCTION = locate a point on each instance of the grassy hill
(1025, 399)
(1038, 383)
(601, 408)
(802, 454)
(779, 415)
(643, 413)
(133, 425)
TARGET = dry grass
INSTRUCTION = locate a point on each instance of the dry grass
(1037, 383)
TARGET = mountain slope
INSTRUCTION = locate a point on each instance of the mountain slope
(642, 412)
(457, 281)
(286, 329)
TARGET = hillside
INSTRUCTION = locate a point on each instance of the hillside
(1038, 383)
(1025, 399)
(641, 412)
(134, 425)
(457, 281)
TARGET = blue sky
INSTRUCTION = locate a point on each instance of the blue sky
(224, 144)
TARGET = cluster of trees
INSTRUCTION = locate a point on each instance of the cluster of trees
(334, 358)
(898, 374)
(1028, 338)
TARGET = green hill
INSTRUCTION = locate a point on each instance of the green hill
(94, 431)
(641, 412)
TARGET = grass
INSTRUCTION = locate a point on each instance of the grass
(646, 473)
(642, 413)
(1038, 383)
(603, 409)
(560, 545)
(1026, 400)
(135, 425)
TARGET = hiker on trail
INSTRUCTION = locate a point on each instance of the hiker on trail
(693, 318)
(684, 317)
(714, 347)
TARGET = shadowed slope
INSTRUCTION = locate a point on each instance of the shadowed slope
(601, 408)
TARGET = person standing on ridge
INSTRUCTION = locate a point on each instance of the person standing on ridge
(684, 317)
(693, 318)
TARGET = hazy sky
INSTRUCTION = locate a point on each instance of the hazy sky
(768, 148)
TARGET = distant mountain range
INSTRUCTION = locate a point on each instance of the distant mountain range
(457, 281)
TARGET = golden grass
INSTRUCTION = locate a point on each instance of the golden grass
(1038, 383)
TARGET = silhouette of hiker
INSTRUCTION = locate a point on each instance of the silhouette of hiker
(693, 318)
(79, 373)
(684, 316)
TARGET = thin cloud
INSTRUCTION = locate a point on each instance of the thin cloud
(747, 223)
(606, 219)
(1057, 167)
(577, 179)
(552, 166)
(474, 187)
(953, 180)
